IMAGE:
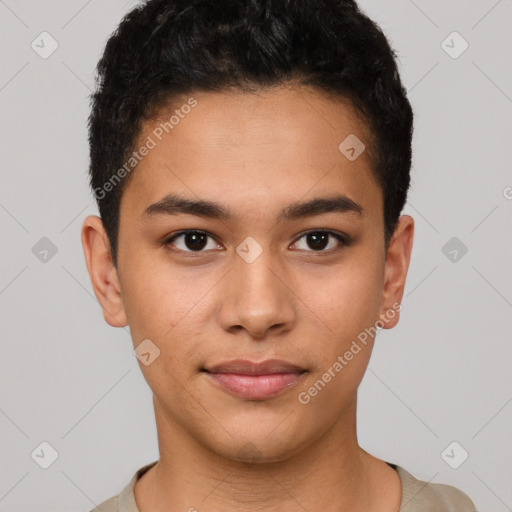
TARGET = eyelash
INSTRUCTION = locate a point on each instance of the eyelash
(345, 241)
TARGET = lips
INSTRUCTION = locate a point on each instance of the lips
(254, 380)
(246, 367)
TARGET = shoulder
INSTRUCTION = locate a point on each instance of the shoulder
(125, 500)
(110, 505)
(421, 496)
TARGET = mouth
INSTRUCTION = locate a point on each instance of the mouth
(254, 381)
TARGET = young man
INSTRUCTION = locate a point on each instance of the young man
(251, 160)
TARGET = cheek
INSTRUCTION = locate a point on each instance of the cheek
(349, 300)
(348, 303)
(169, 307)
(158, 297)
(167, 310)
(349, 306)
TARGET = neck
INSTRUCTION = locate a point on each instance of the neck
(332, 473)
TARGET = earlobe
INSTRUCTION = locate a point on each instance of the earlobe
(397, 264)
(102, 272)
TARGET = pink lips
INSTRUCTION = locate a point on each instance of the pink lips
(255, 381)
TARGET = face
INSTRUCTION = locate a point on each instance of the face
(247, 234)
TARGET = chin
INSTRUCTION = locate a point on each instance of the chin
(259, 446)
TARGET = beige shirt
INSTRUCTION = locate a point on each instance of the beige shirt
(417, 496)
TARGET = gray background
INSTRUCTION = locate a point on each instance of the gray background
(442, 375)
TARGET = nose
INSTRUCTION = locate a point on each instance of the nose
(257, 299)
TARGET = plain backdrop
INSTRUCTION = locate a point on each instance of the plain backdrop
(442, 376)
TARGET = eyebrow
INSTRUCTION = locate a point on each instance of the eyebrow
(176, 205)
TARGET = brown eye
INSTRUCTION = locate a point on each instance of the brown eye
(318, 241)
(191, 241)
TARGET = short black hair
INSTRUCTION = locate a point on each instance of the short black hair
(165, 49)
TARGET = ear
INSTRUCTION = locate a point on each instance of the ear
(398, 257)
(102, 271)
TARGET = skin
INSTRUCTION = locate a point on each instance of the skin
(255, 154)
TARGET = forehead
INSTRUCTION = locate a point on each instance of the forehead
(254, 149)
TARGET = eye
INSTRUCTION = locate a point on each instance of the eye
(196, 241)
(319, 240)
(191, 241)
